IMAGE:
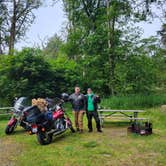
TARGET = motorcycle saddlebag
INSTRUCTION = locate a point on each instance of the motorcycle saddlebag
(33, 114)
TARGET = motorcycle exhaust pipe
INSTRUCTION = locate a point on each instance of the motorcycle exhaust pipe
(56, 132)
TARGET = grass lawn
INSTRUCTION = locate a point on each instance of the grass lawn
(113, 147)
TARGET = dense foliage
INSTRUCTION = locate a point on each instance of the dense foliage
(28, 73)
(104, 40)
(103, 49)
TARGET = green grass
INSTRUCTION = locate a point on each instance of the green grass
(4, 117)
(134, 101)
(113, 147)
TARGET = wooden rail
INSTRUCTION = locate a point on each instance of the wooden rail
(7, 110)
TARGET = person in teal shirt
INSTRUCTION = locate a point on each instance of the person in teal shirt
(91, 109)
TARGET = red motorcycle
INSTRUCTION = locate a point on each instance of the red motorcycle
(18, 116)
(52, 122)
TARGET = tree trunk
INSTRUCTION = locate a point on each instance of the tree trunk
(13, 29)
(111, 25)
(1, 52)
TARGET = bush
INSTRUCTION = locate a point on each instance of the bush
(134, 101)
(27, 74)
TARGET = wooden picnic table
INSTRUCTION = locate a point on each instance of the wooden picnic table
(131, 115)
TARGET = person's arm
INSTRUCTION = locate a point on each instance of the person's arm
(98, 100)
(71, 98)
(85, 103)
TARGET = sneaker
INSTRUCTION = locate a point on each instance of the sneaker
(78, 129)
(99, 130)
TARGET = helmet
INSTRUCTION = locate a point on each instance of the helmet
(65, 96)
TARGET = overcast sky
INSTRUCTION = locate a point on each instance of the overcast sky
(50, 20)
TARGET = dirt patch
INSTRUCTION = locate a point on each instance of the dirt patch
(8, 152)
(115, 132)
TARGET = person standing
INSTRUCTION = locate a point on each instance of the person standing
(79, 105)
(91, 110)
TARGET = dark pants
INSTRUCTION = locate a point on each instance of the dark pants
(94, 114)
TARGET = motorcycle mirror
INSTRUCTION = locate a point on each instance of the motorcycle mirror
(65, 97)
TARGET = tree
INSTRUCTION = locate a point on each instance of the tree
(160, 64)
(67, 72)
(96, 34)
(26, 74)
(29, 73)
(18, 17)
(162, 33)
(3, 25)
(53, 46)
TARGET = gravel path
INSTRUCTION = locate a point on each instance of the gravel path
(8, 152)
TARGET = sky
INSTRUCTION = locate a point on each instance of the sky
(51, 19)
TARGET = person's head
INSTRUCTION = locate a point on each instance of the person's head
(77, 89)
(89, 90)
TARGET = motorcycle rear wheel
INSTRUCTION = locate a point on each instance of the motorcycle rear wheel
(44, 138)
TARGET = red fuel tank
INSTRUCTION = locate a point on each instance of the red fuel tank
(58, 114)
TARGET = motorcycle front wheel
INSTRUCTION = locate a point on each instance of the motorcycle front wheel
(10, 129)
(44, 138)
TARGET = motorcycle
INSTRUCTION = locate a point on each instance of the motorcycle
(18, 115)
(53, 122)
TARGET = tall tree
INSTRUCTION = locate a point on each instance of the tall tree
(19, 17)
(162, 33)
(97, 29)
(3, 25)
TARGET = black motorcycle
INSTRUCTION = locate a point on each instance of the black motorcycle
(53, 122)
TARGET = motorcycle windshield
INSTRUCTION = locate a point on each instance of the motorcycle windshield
(21, 103)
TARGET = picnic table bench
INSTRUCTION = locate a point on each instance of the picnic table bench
(131, 115)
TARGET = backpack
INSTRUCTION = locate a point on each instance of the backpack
(142, 128)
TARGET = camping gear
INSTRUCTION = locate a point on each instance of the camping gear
(142, 128)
